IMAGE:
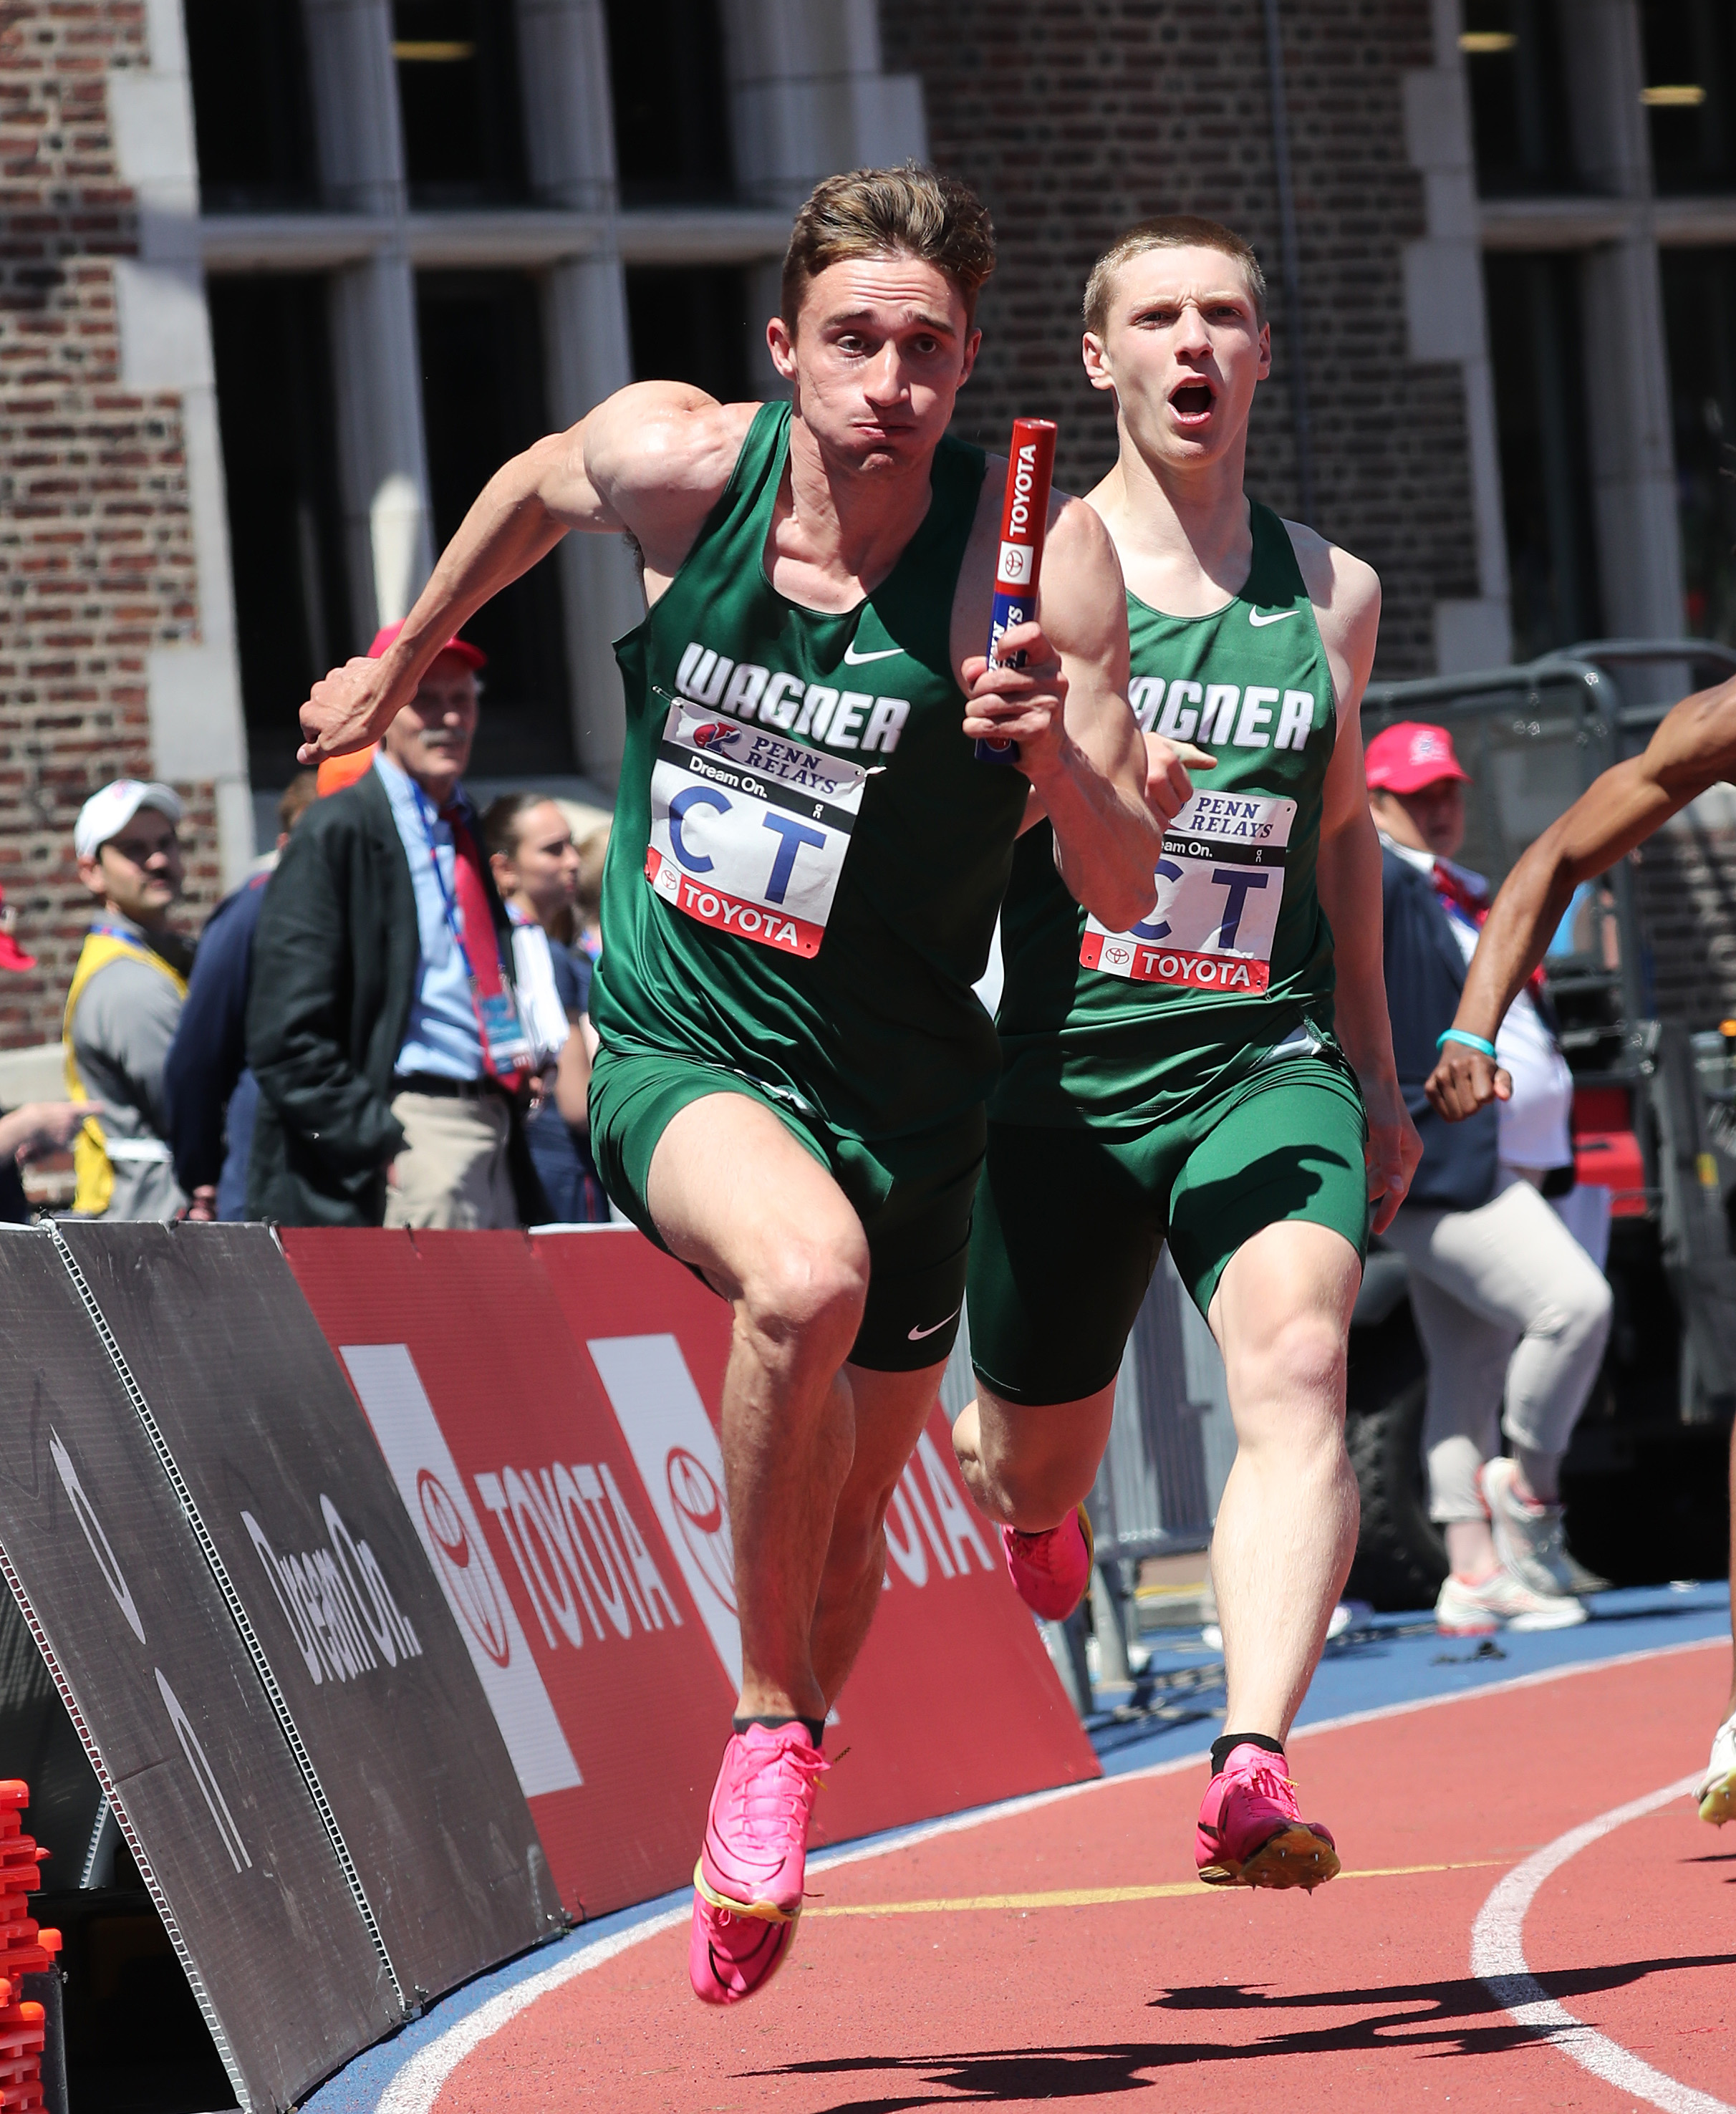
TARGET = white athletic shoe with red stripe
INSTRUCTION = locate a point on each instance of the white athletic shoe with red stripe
(748, 1882)
(1465, 1608)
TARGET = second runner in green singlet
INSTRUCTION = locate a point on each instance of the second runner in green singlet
(1219, 1074)
(1145, 1071)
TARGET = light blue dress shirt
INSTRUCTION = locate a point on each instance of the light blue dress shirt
(442, 1036)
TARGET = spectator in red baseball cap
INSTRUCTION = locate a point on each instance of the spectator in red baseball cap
(1414, 777)
(383, 1024)
(1511, 1308)
(337, 771)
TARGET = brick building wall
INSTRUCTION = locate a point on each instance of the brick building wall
(1074, 117)
(97, 563)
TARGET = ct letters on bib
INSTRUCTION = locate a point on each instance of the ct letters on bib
(749, 831)
(1220, 883)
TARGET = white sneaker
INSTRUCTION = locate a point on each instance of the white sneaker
(1527, 1536)
(1211, 1635)
(1501, 1602)
(1717, 1793)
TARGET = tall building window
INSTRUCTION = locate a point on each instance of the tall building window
(484, 401)
(690, 323)
(280, 465)
(458, 94)
(1533, 308)
(1700, 327)
(671, 100)
(252, 113)
(1690, 95)
(1518, 107)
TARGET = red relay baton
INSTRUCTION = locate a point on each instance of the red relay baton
(1024, 521)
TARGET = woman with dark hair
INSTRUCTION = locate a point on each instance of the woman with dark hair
(536, 869)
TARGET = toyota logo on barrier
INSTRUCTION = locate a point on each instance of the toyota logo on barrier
(467, 1582)
(698, 1505)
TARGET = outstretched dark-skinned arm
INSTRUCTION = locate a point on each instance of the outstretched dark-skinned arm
(1694, 747)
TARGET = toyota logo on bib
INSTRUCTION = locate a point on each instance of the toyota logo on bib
(467, 1582)
(699, 1508)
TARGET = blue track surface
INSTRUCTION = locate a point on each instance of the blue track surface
(1383, 1661)
(1388, 1659)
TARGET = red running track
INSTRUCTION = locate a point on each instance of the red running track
(907, 1989)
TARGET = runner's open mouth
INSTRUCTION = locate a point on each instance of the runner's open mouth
(1193, 400)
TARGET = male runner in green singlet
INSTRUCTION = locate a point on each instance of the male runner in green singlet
(801, 889)
(1193, 1078)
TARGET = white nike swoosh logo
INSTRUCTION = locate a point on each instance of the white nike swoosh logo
(917, 1334)
(1276, 616)
(852, 659)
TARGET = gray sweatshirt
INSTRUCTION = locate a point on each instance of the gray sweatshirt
(121, 1029)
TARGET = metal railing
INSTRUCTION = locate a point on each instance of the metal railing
(1171, 1446)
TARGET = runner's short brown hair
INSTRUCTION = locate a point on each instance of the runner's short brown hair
(909, 212)
(1173, 231)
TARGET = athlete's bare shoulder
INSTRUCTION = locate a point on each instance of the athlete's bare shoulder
(1345, 592)
(653, 460)
(1083, 602)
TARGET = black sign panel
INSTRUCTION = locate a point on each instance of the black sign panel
(156, 1676)
(288, 1482)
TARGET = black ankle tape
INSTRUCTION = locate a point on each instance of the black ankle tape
(815, 1728)
(1221, 1748)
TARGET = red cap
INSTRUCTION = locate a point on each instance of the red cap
(472, 656)
(1406, 757)
(12, 956)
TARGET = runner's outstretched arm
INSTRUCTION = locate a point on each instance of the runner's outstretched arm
(652, 460)
(1079, 743)
(1346, 594)
(1694, 747)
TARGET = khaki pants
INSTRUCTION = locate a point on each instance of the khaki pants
(452, 1171)
(1509, 1308)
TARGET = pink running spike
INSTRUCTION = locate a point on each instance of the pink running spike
(1251, 1832)
(748, 1882)
(1050, 1570)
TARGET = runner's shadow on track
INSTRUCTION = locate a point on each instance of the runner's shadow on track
(1443, 2017)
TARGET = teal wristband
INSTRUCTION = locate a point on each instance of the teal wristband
(1470, 1041)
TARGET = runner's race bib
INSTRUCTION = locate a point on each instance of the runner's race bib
(749, 831)
(1219, 882)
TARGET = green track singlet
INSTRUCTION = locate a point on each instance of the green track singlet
(1120, 1030)
(807, 858)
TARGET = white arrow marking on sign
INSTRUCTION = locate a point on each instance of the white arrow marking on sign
(384, 1376)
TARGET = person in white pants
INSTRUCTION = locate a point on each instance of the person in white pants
(1511, 1306)
(1694, 747)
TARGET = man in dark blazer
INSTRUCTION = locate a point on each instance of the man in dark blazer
(1425, 974)
(381, 1027)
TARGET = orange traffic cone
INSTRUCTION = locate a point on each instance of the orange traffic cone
(24, 1949)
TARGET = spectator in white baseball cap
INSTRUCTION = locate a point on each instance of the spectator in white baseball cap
(124, 1000)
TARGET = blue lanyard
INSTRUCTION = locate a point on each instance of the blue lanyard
(448, 901)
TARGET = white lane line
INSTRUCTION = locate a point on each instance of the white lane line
(415, 2089)
(1498, 1959)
